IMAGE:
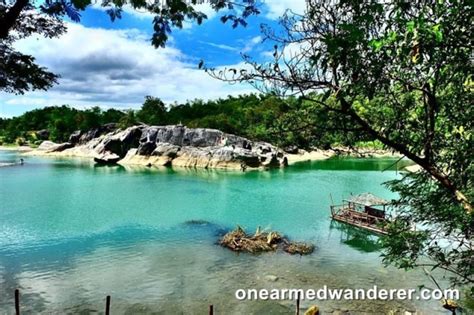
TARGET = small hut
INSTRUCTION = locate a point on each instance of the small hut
(365, 211)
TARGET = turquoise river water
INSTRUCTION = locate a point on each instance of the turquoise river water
(72, 233)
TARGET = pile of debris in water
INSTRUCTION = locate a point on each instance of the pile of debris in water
(239, 241)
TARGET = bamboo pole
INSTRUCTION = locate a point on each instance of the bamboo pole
(17, 302)
(107, 305)
(298, 303)
(211, 309)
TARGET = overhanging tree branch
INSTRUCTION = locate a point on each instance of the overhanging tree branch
(423, 162)
(9, 19)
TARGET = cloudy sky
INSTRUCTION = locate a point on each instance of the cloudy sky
(114, 65)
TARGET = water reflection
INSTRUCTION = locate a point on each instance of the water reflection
(355, 164)
(357, 238)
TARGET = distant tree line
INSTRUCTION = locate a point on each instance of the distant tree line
(284, 122)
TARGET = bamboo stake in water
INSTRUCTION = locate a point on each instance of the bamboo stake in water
(107, 305)
(211, 309)
(298, 304)
(17, 302)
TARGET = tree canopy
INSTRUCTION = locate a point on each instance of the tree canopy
(401, 72)
(257, 117)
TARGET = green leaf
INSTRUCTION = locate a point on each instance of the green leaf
(410, 26)
(392, 37)
(376, 44)
(438, 33)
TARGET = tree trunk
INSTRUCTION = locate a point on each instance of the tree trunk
(423, 162)
(7, 22)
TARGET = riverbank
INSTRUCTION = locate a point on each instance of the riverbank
(168, 145)
(317, 154)
(131, 160)
(19, 148)
(305, 156)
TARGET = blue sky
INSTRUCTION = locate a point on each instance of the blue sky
(112, 64)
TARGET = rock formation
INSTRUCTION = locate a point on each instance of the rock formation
(49, 146)
(174, 145)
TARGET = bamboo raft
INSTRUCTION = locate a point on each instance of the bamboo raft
(365, 211)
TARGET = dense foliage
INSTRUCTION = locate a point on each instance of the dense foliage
(400, 71)
(259, 117)
(55, 123)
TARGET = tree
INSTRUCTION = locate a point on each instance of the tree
(22, 18)
(111, 116)
(128, 120)
(284, 122)
(399, 72)
(152, 112)
(19, 72)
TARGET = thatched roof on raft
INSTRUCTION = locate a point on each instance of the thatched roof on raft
(367, 199)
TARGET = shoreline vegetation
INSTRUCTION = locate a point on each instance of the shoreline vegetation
(320, 154)
(262, 120)
(258, 117)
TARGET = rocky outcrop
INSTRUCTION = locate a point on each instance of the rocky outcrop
(42, 134)
(75, 136)
(107, 158)
(95, 132)
(173, 145)
(79, 137)
(49, 146)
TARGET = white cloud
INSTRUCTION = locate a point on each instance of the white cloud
(252, 43)
(276, 8)
(244, 46)
(206, 9)
(220, 46)
(115, 68)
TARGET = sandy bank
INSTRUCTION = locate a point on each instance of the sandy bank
(317, 154)
(413, 168)
(23, 148)
(79, 152)
(306, 156)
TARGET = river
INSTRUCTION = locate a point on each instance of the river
(72, 233)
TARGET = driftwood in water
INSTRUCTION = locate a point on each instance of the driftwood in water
(238, 240)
